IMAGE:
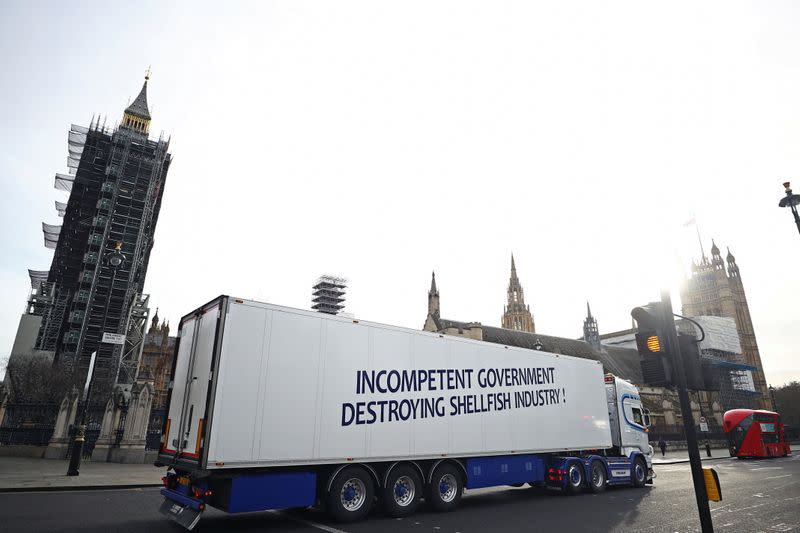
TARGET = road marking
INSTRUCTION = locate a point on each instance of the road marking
(778, 477)
(303, 521)
(67, 489)
(750, 507)
(720, 508)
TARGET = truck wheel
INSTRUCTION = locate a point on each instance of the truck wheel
(639, 473)
(351, 495)
(402, 492)
(598, 480)
(574, 478)
(445, 489)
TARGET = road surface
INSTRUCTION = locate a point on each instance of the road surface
(758, 495)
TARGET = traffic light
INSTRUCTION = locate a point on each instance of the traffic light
(653, 344)
(700, 373)
(692, 366)
(710, 376)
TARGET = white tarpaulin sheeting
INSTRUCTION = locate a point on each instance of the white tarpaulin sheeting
(37, 277)
(64, 182)
(721, 334)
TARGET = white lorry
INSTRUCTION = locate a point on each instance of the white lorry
(273, 408)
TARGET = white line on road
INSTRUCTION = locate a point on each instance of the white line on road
(778, 477)
(303, 521)
(721, 507)
(749, 507)
(71, 490)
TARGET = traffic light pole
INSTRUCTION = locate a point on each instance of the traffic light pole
(674, 349)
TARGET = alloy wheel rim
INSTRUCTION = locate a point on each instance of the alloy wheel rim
(404, 491)
(447, 488)
(597, 477)
(574, 475)
(353, 494)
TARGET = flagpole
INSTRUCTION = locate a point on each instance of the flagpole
(697, 228)
(693, 222)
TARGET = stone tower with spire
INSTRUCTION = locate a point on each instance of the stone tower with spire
(433, 298)
(115, 181)
(715, 290)
(153, 324)
(516, 314)
(591, 334)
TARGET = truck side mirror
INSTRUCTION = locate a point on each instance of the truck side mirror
(647, 418)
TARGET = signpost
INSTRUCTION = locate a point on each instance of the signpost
(703, 424)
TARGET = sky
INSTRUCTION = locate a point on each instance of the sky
(382, 141)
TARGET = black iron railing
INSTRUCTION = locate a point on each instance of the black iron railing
(28, 424)
(154, 426)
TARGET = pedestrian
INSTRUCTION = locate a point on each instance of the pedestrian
(663, 445)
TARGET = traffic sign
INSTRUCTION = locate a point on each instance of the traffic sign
(113, 338)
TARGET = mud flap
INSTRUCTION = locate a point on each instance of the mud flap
(182, 514)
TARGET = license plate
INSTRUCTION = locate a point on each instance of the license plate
(182, 514)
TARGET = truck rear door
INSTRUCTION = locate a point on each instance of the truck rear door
(188, 409)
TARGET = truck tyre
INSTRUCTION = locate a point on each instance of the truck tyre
(639, 473)
(444, 491)
(597, 479)
(351, 495)
(574, 478)
(402, 492)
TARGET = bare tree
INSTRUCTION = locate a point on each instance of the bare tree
(788, 399)
(35, 379)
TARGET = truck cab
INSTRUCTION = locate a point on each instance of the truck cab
(629, 420)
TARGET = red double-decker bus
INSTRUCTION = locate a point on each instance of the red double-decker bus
(755, 433)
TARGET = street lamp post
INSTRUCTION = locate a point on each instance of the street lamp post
(114, 260)
(791, 201)
(80, 431)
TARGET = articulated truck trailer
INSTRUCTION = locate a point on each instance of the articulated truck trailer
(275, 408)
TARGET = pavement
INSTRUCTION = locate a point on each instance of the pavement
(27, 474)
(682, 456)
